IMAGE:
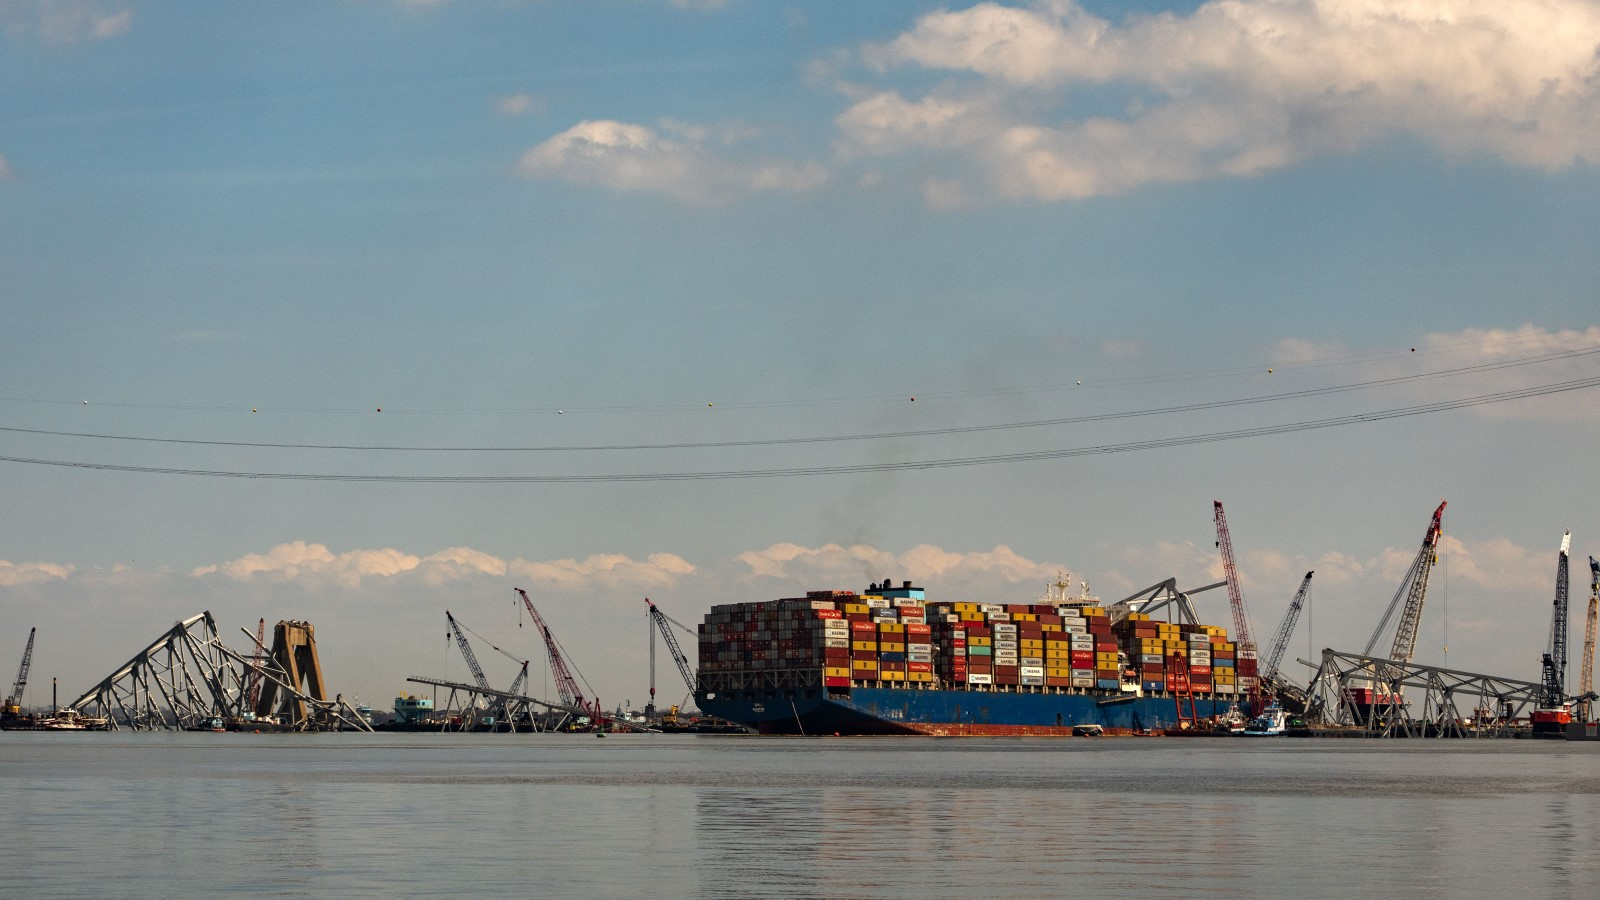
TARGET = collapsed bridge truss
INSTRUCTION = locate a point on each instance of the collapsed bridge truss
(1368, 693)
(188, 679)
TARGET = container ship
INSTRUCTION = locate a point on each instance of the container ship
(886, 661)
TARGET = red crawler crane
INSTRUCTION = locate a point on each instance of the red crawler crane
(1242, 641)
(566, 685)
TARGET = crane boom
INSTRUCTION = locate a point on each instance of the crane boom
(566, 685)
(1230, 573)
(14, 699)
(1554, 680)
(1280, 642)
(466, 651)
(1413, 589)
(257, 659)
(1586, 672)
(1242, 638)
(660, 619)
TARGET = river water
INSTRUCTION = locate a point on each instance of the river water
(658, 816)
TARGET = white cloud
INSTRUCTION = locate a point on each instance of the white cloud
(1233, 89)
(15, 574)
(515, 105)
(1572, 355)
(458, 563)
(628, 157)
(64, 22)
(850, 568)
(658, 570)
(314, 563)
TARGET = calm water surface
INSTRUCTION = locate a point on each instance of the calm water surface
(144, 815)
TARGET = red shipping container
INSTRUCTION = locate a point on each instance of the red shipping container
(868, 655)
(828, 613)
(836, 653)
(835, 681)
(919, 667)
(864, 626)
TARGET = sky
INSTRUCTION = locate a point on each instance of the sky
(356, 312)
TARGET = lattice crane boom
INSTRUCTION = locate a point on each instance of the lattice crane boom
(1586, 672)
(1554, 680)
(566, 685)
(1230, 573)
(258, 658)
(660, 619)
(466, 652)
(1413, 589)
(1280, 642)
(15, 697)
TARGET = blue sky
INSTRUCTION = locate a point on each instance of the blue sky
(581, 225)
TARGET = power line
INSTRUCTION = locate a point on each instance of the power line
(822, 439)
(860, 468)
(968, 393)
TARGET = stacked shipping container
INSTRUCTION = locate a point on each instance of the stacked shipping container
(890, 636)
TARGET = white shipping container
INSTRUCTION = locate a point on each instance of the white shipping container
(1030, 661)
(1006, 627)
(1078, 621)
(998, 616)
(1004, 644)
(919, 648)
(1075, 629)
(1026, 670)
(876, 602)
(918, 657)
(907, 601)
(837, 643)
(975, 678)
(1083, 681)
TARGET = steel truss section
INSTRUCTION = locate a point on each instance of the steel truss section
(511, 711)
(1157, 597)
(1369, 693)
(187, 678)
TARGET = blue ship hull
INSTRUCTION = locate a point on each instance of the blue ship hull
(861, 710)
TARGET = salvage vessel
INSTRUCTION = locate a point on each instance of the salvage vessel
(887, 661)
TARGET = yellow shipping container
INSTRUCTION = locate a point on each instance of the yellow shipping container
(892, 676)
(1058, 673)
(856, 608)
(1058, 654)
(836, 671)
(1106, 657)
(891, 646)
(1050, 628)
(979, 641)
(966, 607)
(861, 665)
(864, 645)
(890, 628)
(919, 676)
(1138, 617)
(1031, 644)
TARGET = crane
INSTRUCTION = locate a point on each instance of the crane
(1553, 713)
(1291, 617)
(466, 651)
(257, 660)
(566, 685)
(1241, 618)
(1412, 588)
(13, 705)
(659, 621)
(1586, 673)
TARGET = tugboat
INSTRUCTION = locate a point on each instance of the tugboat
(1273, 722)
